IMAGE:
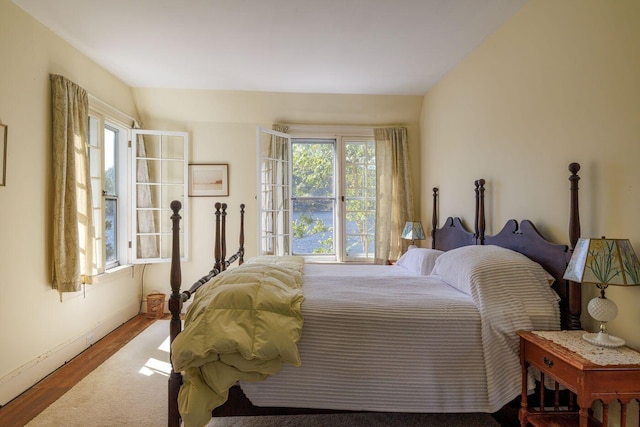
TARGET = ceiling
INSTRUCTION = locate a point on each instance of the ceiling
(390, 47)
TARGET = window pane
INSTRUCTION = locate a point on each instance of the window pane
(313, 168)
(172, 147)
(110, 227)
(172, 172)
(313, 225)
(110, 138)
(360, 206)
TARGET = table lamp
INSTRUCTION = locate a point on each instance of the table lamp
(603, 262)
(413, 231)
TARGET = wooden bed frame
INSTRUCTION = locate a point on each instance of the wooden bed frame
(177, 298)
(522, 237)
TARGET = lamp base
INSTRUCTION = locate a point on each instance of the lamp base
(603, 339)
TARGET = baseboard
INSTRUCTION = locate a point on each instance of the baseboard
(21, 379)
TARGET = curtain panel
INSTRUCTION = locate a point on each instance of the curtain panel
(394, 201)
(73, 228)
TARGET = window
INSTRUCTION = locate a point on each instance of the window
(313, 196)
(135, 174)
(359, 179)
(274, 186)
(160, 171)
(332, 193)
(107, 167)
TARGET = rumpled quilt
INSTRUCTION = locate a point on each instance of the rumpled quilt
(241, 326)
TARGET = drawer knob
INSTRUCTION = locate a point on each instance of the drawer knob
(547, 362)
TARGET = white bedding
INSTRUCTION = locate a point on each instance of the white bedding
(378, 338)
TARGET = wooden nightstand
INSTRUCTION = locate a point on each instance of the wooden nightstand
(590, 373)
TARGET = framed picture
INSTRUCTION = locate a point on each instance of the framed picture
(3, 155)
(208, 180)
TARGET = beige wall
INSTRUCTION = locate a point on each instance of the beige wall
(559, 82)
(37, 331)
(222, 127)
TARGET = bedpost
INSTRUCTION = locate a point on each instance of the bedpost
(434, 218)
(223, 239)
(480, 219)
(574, 291)
(217, 265)
(241, 249)
(175, 307)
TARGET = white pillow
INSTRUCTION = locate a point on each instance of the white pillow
(487, 265)
(419, 261)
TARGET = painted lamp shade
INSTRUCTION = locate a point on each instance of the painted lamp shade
(413, 231)
(603, 262)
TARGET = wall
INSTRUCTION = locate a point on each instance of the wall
(222, 127)
(39, 332)
(559, 82)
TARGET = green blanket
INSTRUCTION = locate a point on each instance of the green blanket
(241, 326)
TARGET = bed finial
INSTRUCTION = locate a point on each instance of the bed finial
(175, 306)
(241, 248)
(223, 238)
(574, 218)
(176, 274)
(216, 245)
(479, 220)
(574, 289)
(434, 218)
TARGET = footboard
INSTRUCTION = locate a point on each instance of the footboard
(178, 298)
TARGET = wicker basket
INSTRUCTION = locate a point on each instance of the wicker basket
(155, 305)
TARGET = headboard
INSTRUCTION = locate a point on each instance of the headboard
(522, 237)
(453, 233)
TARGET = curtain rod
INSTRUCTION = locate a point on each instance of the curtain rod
(104, 107)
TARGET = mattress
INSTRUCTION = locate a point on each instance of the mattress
(359, 351)
(377, 338)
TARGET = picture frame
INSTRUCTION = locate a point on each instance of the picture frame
(207, 180)
(3, 154)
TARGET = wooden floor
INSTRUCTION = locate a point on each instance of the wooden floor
(25, 407)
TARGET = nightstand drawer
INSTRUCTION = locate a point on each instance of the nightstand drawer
(551, 364)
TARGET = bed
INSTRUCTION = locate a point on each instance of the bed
(447, 343)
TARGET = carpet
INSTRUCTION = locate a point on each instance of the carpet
(370, 419)
(130, 389)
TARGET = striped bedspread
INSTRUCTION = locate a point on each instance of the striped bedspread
(377, 338)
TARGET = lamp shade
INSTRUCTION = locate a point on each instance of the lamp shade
(604, 262)
(413, 231)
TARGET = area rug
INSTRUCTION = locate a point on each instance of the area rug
(359, 420)
(130, 389)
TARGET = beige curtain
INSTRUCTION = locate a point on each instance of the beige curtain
(394, 201)
(73, 231)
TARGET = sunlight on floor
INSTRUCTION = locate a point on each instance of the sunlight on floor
(166, 345)
(155, 366)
